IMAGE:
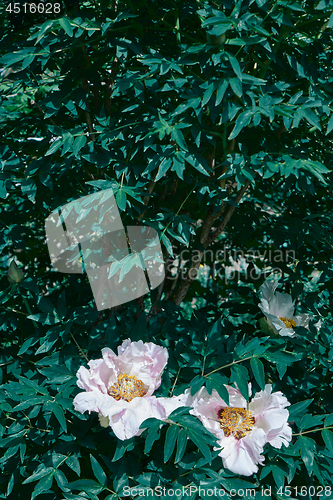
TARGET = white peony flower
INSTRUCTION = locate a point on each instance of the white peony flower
(279, 309)
(120, 387)
(243, 428)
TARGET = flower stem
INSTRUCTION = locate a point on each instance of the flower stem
(312, 430)
(173, 387)
(229, 364)
(29, 310)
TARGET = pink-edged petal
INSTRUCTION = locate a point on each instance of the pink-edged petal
(89, 401)
(172, 404)
(94, 379)
(271, 415)
(146, 361)
(126, 422)
(115, 364)
(206, 407)
(278, 437)
(235, 397)
(266, 400)
(243, 456)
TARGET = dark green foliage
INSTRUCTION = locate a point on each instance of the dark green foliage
(212, 123)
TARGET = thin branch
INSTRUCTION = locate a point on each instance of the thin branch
(228, 215)
(146, 199)
(34, 103)
(206, 238)
(173, 286)
(229, 364)
(313, 430)
(154, 308)
(79, 348)
(175, 381)
(89, 122)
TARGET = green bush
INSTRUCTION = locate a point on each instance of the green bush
(211, 122)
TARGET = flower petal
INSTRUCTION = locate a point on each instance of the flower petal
(271, 416)
(279, 326)
(282, 305)
(89, 400)
(96, 378)
(125, 423)
(242, 456)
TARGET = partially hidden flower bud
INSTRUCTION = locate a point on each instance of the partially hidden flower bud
(15, 274)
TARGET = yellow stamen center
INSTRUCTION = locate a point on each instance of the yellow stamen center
(127, 387)
(288, 322)
(236, 422)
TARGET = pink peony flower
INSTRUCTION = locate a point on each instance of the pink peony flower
(120, 387)
(243, 428)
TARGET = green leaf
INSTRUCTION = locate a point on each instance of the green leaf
(55, 145)
(43, 485)
(121, 199)
(170, 441)
(79, 143)
(242, 121)
(58, 412)
(10, 486)
(163, 168)
(87, 485)
(14, 57)
(38, 400)
(328, 439)
(61, 480)
(153, 435)
(29, 189)
(66, 25)
(28, 60)
(196, 164)
(239, 374)
(98, 471)
(15, 274)
(167, 244)
(42, 471)
(298, 409)
(221, 91)
(73, 463)
(44, 318)
(197, 440)
(236, 86)
(177, 136)
(307, 447)
(235, 65)
(196, 384)
(329, 420)
(217, 381)
(122, 447)
(330, 123)
(181, 445)
(208, 94)
(258, 372)
(330, 21)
